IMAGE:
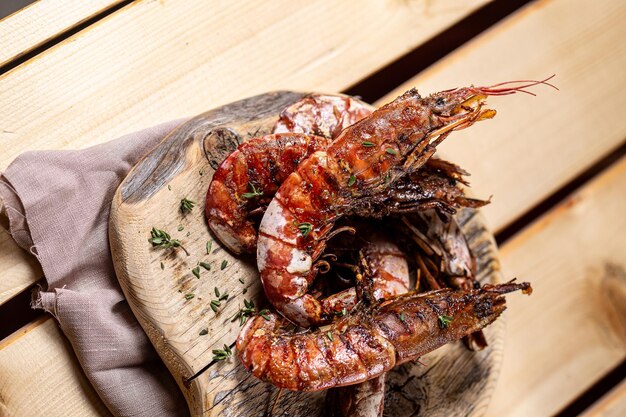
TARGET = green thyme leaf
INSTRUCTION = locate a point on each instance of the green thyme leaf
(223, 265)
(444, 321)
(208, 247)
(305, 228)
(254, 192)
(161, 238)
(242, 281)
(351, 180)
(186, 205)
(196, 272)
(265, 314)
(245, 312)
(330, 336)
(189, 296)
(402, 317)
(205, 266)
(221, 354)
(368, 144)
(181, 227)
(169, 187)
(162, 266)
(391, 151)
(204, 332)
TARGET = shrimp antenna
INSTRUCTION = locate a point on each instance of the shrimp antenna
(511, 87)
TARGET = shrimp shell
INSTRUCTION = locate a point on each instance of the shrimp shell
(322, 114)
(326, 185)
(260, 164)
(368, 342)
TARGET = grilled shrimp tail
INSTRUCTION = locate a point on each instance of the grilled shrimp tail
(368, 342)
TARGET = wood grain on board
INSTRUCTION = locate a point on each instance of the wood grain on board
(534, 145)
(172, 303)
(572, 331)
(40, 376)
(154, 61)
(41, 21)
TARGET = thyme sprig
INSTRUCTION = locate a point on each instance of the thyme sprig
(186, 205)
(163, 239)
(215, 304)
(444, 321)
(265, 313)
(253, 193)
(222, 354)
(305, 228)
(246, 311)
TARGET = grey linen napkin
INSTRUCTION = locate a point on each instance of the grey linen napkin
(58, 207)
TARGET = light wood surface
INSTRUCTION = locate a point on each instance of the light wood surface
(41, 377)
(558, 133)
(156, 282)
(583, 45)
(574, 329)
(160, 60)
(20, 269)
(613, 404)
(181, 65)
(42, 20)
(536, 144)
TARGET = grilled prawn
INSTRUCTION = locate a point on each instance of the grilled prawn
(247, 180)
(369, 341)
(443, 257)
(388, 269)
(364, 160)
(322, 115)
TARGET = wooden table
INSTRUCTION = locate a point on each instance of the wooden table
(80, 73)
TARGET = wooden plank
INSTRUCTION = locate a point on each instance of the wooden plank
(536, 144)
(20, 269)
(572, 330)
(613, 404)
(156, 61)
(39, 376)
(26, 29)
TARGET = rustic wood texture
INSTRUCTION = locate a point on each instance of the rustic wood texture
(156, 61)
(41, 376)
(26, 29)
(613, 404)
(588, 43)
(573, 331)
(536, 144)
(19, 268)
(452, 381)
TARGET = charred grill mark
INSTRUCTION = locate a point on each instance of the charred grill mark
(483, 307)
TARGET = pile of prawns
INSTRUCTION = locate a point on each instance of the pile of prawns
(356, 197)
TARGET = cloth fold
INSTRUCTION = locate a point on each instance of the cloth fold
(58, 206)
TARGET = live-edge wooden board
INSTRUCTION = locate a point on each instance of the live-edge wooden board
(159, 283)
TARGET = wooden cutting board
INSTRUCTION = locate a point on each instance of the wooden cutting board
(159, 283)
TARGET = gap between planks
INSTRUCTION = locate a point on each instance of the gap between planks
(572, 331)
